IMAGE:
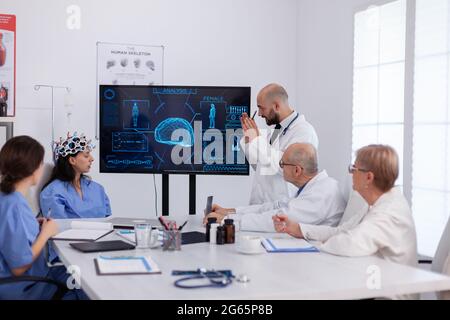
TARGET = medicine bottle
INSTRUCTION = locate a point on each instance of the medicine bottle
(213, 233)
(220, 235)
(229, 231)
(208, 227)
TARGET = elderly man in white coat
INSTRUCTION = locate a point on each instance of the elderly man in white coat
(318, 199)
(264, 151)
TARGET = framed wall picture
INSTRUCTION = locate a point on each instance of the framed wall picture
(7, 65)
(129, 64)
(6, 132)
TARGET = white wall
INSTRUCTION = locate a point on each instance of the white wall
(208, 42)
(325, 77)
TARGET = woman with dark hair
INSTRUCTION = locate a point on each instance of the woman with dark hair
(70, 194)
(22, 236)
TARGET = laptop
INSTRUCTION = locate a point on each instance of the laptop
(128, 223)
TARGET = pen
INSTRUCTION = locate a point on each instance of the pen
(254, 114)
(181, 227)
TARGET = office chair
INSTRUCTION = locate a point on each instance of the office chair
(61, 289)
(35, 191)
(441, 261)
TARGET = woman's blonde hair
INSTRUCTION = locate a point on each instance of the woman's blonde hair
(382, 161)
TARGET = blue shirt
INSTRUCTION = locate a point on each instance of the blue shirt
(65, 202)
(18, 231)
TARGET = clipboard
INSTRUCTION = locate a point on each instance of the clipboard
(125, 265)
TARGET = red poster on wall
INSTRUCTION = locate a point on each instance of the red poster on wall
(7, 65)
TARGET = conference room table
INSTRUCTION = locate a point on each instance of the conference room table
(313, 275)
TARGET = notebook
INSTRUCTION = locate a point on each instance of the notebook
(114, 245)
(287, 245)
(85, 231)
(106, 265)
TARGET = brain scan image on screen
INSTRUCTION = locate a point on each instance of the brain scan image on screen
(165, 130)
(143, 129)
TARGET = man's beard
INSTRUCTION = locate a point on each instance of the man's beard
(273, 118)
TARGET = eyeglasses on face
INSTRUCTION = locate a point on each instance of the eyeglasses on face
(352, 169)
(282, 164)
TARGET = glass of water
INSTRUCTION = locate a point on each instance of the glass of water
(143, 233)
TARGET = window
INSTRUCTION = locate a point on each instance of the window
(379, 72)
(383, 60)
(431, 134)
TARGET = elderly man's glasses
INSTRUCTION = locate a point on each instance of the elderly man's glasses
(282, 164)
(352, 169)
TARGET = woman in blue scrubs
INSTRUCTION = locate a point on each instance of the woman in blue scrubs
(70, 194)
(22, 236)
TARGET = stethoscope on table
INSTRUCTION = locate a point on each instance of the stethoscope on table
(217, 279)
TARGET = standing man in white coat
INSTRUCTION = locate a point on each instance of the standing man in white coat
(264, 151)
(318, 199)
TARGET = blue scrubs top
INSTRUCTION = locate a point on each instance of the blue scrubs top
(18, 231)
(65, 202)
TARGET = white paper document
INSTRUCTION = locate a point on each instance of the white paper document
(85, 231)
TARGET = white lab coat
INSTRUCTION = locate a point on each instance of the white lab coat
(320, 202)
(386, 230)
(268, 182)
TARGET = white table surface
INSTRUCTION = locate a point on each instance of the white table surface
(272, 275)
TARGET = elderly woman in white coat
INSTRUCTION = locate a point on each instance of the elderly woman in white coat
(386, 230)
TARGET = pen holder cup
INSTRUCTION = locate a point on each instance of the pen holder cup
(171, 240)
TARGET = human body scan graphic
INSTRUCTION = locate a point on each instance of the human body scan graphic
(135, 114)
(212, 116)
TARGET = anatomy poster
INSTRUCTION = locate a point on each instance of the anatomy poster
(120, 64)
(7, 64)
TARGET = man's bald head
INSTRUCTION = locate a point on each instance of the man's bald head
(274, 93)
(304, 155)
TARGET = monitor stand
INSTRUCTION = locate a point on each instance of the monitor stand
(165, 194)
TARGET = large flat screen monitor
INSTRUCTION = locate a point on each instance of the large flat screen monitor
(172, 129)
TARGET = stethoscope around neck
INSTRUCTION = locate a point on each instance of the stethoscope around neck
(287, 127)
